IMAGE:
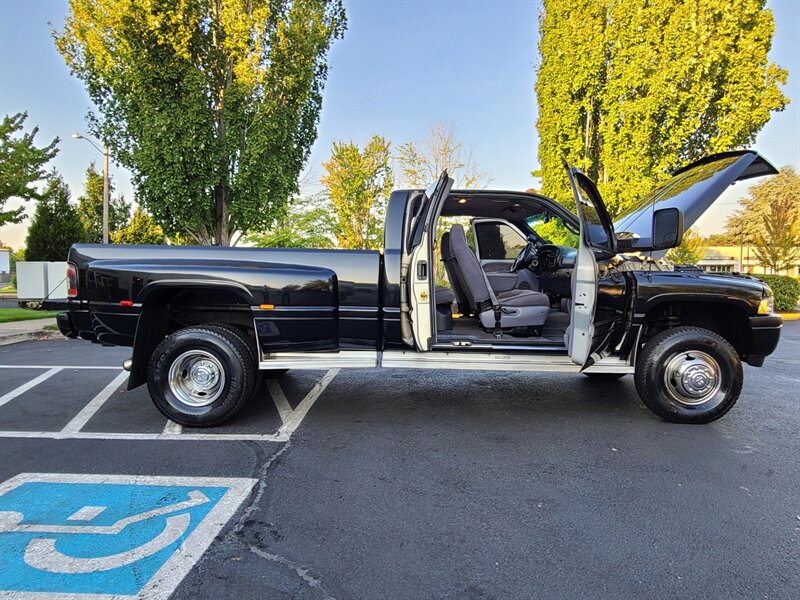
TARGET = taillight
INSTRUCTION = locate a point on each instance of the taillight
(72, 281)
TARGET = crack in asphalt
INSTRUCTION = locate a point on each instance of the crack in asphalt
(235, 534)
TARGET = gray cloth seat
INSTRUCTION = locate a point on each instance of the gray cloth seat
(523, 298)
(443, 295)
(515, 308)
(452, 275)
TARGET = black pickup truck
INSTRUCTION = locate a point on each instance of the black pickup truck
(466, 279)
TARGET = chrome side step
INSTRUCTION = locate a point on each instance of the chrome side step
(497, 361)
(460, 360)
(346, 359)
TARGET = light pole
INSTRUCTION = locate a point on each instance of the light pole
(104, 152)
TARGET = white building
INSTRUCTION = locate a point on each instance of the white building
(738, 259)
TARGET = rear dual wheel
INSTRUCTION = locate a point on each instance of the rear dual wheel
(201, 376)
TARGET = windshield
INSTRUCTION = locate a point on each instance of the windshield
(553, 229)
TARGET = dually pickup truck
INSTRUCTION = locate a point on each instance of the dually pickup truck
(466, 279)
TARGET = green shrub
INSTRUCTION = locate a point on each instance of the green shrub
(786, 290)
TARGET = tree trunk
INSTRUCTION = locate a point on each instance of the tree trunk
(222, 235)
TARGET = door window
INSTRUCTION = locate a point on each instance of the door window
(498, 241)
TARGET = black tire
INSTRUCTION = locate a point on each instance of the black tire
(250, 342)
(266, 373)
(225, 352)
(712, 375)
(605, 376)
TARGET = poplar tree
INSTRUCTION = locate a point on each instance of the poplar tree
(358, 183)
(212, 104)
(630, 90)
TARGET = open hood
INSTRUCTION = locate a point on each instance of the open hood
(692, 190)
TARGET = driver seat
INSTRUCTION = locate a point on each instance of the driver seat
(514, 308)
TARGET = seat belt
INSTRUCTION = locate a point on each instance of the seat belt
(498, 315)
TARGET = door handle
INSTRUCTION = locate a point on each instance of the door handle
(422, 270)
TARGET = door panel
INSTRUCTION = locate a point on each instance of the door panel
(588, 333)
(417, 279)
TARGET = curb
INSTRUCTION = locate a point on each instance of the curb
(15, 338)
(790, 316)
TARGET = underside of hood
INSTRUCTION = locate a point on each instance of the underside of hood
(692, 189)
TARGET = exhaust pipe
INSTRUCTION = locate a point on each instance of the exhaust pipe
(127, 364)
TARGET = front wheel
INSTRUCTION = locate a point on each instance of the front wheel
(689, 375)
(201, 376)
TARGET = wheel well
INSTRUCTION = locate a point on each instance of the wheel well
(727, 320)
(170, 309)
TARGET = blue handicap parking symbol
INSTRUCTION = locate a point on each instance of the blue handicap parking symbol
(108, 535)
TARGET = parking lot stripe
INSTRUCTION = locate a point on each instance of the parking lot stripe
(94, 405)
(172, 428)
(299, 413)
(191, 437)
(279, 398)
(75, 367)
(5, 399)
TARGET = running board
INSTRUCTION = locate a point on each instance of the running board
(346, 359)
(460, 360)
(497, 361)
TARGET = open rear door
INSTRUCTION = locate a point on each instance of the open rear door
(596, 242)
(416, 268)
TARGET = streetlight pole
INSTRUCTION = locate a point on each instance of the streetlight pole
(105, 194)
(106, 186)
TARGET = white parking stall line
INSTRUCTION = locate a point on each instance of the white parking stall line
(172, 431)
(94, 405)
(299, 413)
(102, 435)
(172, 428)
(5, 399)
(279, 398)
(74, 367)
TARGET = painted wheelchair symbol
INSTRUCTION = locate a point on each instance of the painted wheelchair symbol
(42, 554)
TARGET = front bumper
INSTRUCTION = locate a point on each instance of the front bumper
(766, 332)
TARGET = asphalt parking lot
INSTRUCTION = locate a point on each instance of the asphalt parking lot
(424, 484)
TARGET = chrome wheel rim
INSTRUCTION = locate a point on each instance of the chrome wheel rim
(196, 378)
(692, 378)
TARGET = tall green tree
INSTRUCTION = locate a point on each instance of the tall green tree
(142, 229)
(307, 223)
(55, 225)
(691, 250)
(358, 183)
(777, 246)
(22, 164)
(630, 90)
(212, 104)
(90, 206)
(769, 219)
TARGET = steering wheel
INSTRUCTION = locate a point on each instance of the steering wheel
(526, 258)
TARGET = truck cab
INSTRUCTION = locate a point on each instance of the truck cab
(467, 279)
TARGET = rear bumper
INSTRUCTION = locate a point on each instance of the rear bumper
(766, 333)
(64, 322)
(76, 324)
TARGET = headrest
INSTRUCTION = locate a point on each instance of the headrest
(457, 234)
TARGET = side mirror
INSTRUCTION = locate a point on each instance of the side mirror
(667, 228)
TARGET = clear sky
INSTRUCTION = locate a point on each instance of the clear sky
(401, 67)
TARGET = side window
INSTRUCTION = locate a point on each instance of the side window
(498, 241)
